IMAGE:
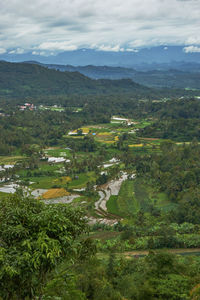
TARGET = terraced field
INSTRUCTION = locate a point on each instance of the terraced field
(135, 195)
(51, 174)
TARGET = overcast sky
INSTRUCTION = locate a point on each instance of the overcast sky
(49, 26)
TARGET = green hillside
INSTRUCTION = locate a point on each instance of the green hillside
(21, 79)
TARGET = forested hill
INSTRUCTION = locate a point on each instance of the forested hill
(174, 75)
(21, 80)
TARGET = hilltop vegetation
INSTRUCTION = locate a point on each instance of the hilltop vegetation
(32, 80)
(21, 80)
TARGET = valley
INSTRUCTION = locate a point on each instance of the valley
(96, 168)
(99, 183)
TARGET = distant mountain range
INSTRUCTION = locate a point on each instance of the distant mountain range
(163, 66)
(187, 75)
(146, 57)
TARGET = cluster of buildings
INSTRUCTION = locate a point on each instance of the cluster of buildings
(27, 106)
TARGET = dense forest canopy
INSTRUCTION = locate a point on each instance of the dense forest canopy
(21, 80)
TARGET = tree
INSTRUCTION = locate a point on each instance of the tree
(34, 237)
(167, 145)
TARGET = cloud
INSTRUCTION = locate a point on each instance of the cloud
(2, 51)
(112, 48)
(17, 51)
(108, 48)
(193, 40)
(64, 46)
(112, 25)
(191, 49)
(132, 50)
(43, 53)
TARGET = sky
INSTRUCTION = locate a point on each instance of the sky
(47, 27)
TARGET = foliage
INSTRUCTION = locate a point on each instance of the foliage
(34, 238)
(22, 80)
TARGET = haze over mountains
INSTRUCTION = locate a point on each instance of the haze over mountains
(82, 57)
(163, 66)
(183, 75)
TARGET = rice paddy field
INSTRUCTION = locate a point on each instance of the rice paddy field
(11, 159)
(51, 173)
(109, 134)
(135, 195)
(64, 175)
(55, 193)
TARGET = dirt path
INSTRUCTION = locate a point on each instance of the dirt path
(174, 251)
(93, 220)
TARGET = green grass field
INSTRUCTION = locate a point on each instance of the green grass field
(11, 159)
(82, 180)
(3, 195)
(143, 123)
(112, 205)
(135, 195)
(47, 182)
(58, 152)
(43, 182)
(127, 204)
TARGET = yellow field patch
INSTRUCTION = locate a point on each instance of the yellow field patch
(67, 178)
(55, 193)
(108, 142)
(74, 132)
(116, 138)
(104, 133)
(85, 129)
(63, 180)
(136, 145)
(10, 159)
(149, 139)
(181, 143)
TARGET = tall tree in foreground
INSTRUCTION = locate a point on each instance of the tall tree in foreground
(34, 237)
